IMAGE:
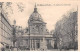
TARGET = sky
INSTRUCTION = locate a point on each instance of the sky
(21, 11)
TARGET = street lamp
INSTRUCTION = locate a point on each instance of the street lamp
(29, 37)
(14, 33)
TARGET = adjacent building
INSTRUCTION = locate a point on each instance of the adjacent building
(5, 31)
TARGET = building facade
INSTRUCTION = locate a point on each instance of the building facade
(36, 24)
(36, 35)
(5, 31)
(37, 31)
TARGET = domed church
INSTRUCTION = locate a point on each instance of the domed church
(37, 36)
(36, 24)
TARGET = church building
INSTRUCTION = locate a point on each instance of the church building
(37, 36)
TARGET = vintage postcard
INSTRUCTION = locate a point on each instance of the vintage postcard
(39, 25)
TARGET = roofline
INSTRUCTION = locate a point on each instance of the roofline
(5, 19)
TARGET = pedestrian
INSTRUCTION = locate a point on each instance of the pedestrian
(2, 49)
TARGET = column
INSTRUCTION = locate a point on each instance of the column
(35, 45)
(32, 44)
(40, 43)
(28, 43)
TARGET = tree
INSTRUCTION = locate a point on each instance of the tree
(66, 30)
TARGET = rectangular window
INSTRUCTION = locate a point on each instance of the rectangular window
(0, 31)
(3, 32)
(1, 24)
(0, 16)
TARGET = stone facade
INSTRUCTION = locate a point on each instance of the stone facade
(5, 31)
(36, 36)
(37, 27)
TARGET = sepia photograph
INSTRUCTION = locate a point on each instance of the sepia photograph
(44, 25)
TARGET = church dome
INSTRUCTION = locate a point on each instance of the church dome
(35, 16)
